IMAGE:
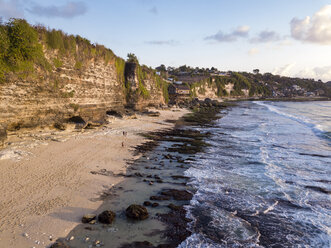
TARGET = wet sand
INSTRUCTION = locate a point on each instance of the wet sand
(46, 179)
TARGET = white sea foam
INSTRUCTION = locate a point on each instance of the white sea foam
(299, 118)
(254, 173)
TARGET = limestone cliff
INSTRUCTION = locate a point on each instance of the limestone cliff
(85, 80)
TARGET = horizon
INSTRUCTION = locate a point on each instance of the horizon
(288, 39)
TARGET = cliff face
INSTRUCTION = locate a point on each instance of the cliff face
(87, 90)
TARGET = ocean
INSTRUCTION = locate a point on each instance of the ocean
(265, 181)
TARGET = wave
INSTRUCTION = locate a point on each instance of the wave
(301, 119)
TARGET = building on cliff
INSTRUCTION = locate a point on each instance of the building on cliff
(178, 93)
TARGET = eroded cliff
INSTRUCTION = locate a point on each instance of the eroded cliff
(83, 80)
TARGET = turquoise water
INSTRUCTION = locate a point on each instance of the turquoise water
(266, 179)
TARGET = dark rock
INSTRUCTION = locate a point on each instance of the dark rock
(115, 113)
(144, 244)
(159, 181)
(152, 113)
(137, 174)
(60, 126)
(136, 212)
(3, 134)
(106, 217)
(155, 204)
(59, 244)
(179, 177)
(179, 195)
(147, 203)
(79, 121)
(176, 222)
(159, 198)
(157, 177)
(174, 207)
(87, 218)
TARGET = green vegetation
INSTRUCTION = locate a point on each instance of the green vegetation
(78, 65)
(142, 76)
(19, 49)
(57, 62)
(163, 85)
(120, 69)
(132, 58)
(74, 106)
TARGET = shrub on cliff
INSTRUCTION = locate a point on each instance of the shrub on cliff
(24, 46)
(19, 48)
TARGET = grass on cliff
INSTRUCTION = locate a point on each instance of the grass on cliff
(22, 49)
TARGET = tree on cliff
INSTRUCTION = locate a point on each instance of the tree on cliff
(132, 58)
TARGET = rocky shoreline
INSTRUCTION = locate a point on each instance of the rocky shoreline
(147, 208)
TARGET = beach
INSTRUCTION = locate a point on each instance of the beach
(47, 181)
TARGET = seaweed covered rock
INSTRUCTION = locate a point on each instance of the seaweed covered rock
(106, 217)
(179, 195)
(136, 212)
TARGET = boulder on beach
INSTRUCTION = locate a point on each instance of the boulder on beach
(88, 218)
(59, 244)
(106, 217)
(136, 212)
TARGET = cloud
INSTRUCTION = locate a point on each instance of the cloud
(253, 51)
(11, 8)
(68, 10)
(154, 10)
(265, 37)
(315, 29)
(323, 73)
(285, 70)
(239, 32)
(162, 42)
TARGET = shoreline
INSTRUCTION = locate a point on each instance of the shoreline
(48, 185)
(157, 183)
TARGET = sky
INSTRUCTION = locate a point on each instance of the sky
(284, 37)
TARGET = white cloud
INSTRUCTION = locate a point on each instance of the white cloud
(11, 8)
(315, 29)
(253, 51)
(285, 70)
(323, 73)
(239, 32)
